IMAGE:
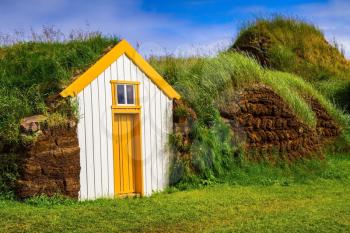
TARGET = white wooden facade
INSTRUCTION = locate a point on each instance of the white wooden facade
(95, 131)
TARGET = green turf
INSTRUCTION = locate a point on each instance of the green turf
(31, 72)
(293, 45)
(320, 205)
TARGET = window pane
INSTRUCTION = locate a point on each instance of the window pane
(130, 94)
(121, 94)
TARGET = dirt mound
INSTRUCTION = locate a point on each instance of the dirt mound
(261, 118)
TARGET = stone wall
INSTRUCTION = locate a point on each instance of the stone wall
(50, 164)
(261, 118)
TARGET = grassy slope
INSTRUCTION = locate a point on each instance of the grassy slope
(202, 81)
(318, 204)
(291, 45)
(32, 71)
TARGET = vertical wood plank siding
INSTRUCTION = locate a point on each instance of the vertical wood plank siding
(95, 132)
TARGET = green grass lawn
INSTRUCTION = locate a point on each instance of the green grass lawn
(317, 205)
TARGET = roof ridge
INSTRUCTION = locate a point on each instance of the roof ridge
(123, 47)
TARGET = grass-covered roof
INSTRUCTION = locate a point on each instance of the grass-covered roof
(30, 72)
(50, 65)
(292, 45)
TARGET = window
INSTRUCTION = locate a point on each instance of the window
(130, 97)
(125, 94)
(121, 94)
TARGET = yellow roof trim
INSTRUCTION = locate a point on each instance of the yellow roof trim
(123, 47)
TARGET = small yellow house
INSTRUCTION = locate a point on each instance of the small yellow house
(125, 110)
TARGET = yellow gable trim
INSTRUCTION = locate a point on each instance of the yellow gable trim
(123, 47)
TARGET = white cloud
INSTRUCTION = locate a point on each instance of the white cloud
(161, 33)
(156, 33)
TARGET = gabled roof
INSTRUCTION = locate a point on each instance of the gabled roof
(121, 48)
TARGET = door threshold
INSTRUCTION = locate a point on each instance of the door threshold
(128, 195)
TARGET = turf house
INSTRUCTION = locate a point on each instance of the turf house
(119, 144)
(125, 111)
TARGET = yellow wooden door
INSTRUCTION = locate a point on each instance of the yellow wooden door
(124, 156)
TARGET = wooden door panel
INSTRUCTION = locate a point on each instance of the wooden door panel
(124, 156)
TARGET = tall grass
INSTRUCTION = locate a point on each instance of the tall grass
(205, 83)
(294, 89)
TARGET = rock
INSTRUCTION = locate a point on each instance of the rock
(72, 123)
(32, 124)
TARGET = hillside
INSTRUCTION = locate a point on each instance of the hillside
(295, 46)
(33, 73)
(231, 95)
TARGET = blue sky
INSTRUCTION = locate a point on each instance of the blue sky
(171, 27)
